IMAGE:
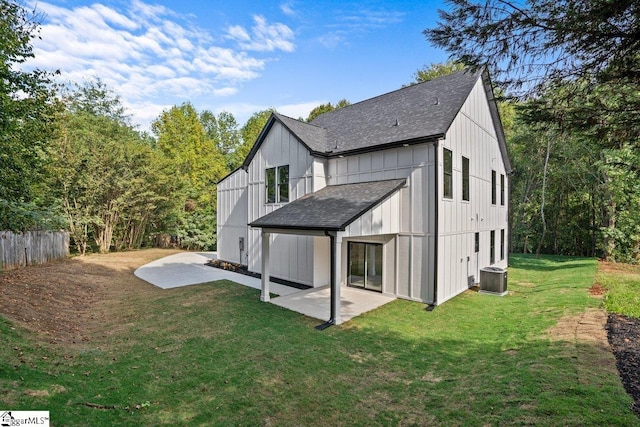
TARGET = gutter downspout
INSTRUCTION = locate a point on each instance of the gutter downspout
(434, 301)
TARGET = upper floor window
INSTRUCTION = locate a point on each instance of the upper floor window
(493, 187)
(465, 179)
(277, 184)
(447, 173)
(283, 184)
(502, 189)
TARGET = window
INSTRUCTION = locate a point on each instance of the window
(493, 187)
(465, 179)
(270, 183)
(477, 242)
(277, 184)
(492, 248)
(283, 184)
(502, 244)
(447, 172)
(502, 189)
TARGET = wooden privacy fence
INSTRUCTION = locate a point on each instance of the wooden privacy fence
(32, 247)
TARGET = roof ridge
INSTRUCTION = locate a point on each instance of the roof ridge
(355, 104)
(299, 121)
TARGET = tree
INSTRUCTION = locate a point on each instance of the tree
(199, 165)
(110, 181)
(325, 108)
(435, 70)
(223, 131)
(27, 109)
(538, 40)
(251, 131)
(578, 63)
(590, 191)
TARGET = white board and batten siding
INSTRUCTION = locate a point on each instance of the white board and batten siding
(473, 136)
(233, 217)
(404, 223)
(294, 258)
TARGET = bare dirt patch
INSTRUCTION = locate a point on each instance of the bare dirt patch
(64, 302)
(597, 290)
(588, 328)
(616, 267)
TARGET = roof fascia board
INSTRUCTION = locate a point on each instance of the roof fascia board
(497, 122)
(297, 231)
(422, 140)
(313, 230)
(296, 136)
(263, 134)
(453, 118)
(259, 140)
(231, 173)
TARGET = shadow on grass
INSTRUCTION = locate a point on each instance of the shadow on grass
(547, 262)
(213, 354)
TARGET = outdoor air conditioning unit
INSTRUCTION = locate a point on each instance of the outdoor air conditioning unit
(493, 281)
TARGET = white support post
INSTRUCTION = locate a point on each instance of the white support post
(337, 274)
(266, 246)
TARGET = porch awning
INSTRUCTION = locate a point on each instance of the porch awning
(332, 208)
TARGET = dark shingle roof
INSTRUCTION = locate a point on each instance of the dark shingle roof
(314, 137)
(418, 113)
(332, 208)
(423, 110)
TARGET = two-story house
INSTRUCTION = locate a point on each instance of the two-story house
(404, 194)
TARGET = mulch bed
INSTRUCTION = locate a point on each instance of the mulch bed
(231, 266)
(242, 269)
(624, 337)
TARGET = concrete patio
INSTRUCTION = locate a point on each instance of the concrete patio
(315, 302)
(188, 268)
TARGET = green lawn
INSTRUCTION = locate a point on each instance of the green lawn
(622, 282)
(213, 354)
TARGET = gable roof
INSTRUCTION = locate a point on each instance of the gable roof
(332, 208)
(414, 113)
(418, 113)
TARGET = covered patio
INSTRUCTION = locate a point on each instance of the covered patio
(328, 213)
(315, 302)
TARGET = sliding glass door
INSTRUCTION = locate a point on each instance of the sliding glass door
(365, 266)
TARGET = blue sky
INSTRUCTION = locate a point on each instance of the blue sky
(237, 56)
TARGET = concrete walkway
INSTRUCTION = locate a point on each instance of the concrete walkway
(188, 268)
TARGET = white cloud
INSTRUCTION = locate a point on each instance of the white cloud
(152, 56)
(287, 9)
(264, 37)
(369, 19)
(299, 110)
(349, 23)
(242, 111)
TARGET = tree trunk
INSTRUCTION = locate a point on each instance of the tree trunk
(544, 189)
(104, 231)
(610, 223)
(635, 254)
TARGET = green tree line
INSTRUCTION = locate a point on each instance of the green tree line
(70, 158)
(572, 71)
